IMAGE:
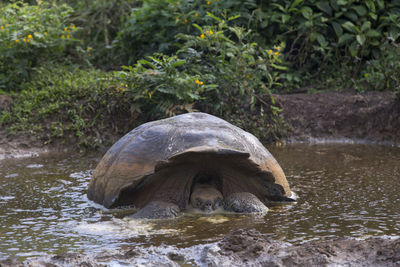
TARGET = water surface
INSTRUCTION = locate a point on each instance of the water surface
(344, 191)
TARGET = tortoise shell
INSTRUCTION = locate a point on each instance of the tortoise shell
(160, 160)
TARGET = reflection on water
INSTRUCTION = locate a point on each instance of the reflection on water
(344, 191)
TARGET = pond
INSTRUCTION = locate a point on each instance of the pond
(343, 191)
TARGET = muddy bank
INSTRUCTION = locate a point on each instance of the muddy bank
(371, 116)
(239, 248)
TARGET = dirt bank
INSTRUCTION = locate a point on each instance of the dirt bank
(371, 116)
(239, 248)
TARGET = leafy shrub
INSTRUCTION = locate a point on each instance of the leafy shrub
(153, 26)
(216, 70)
(100, 22)
(382, 73)
(321, 32)
(30, 35)
(225, 56)
(78, 105)
(160, 86)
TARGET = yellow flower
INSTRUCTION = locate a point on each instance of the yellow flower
(185, 21)
(89, 48)
(151, 94)
(68, 36)
(270, 51)
(28, 41)
(66, 30)
(197, 82)
(201, 83)
(30, 36)
(208, 2)
(73, 26)
(45, 33)
(202, 36)
(197, 14)
(2, 27)
(24, 39)
(276, 53)
(211, 32)
(62, 36)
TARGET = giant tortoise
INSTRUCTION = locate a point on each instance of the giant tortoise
(194, 159)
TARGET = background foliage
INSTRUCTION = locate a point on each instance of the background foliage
(71, 66)
(29, 36)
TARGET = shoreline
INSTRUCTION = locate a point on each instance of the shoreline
(321, 118)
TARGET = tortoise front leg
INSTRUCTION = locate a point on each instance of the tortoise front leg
(157, 210)
(244, 202)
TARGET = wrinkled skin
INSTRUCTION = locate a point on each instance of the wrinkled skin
(206, 197)
(157, 210)
(244, 202)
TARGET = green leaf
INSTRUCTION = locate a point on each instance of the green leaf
(193, 96)
(338, 29)
(233, 17)
(198, 27)
(361, 10)
(348, 25)
(373, 33)
(366, 26)
(361, 39)
(214, 17)
(334, 5)
(210, 87)
(285, 18)
(148, 63)
(306, 12)
(178, 63)
(351, 15)
(281, 8)
(381, 4)
(278, 67)
(324, 6)
(321, 40)
(296, 3)
(371, 5)
(373, 15)
(345, 38)
(353, 49)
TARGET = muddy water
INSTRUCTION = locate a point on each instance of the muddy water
(343, 190)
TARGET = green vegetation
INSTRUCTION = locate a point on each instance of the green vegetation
(31, 35)
(64, 101)
(80, 68)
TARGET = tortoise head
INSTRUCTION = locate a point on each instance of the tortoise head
(207, 203)
(206, 196)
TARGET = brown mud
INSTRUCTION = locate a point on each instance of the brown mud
(239, 248)
(367, 117)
